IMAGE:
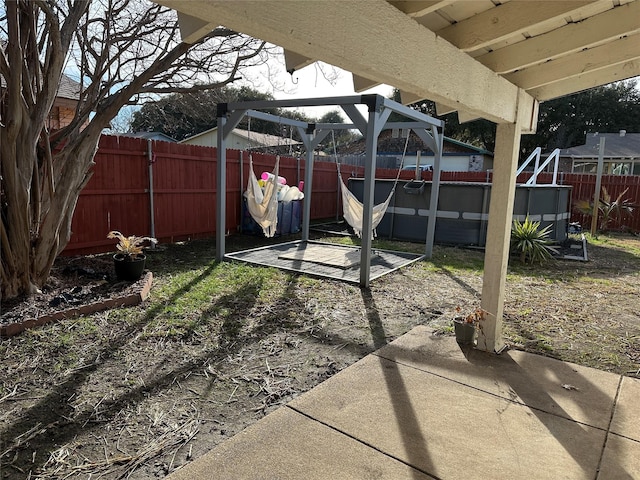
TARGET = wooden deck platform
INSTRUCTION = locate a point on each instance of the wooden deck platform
(339, 262)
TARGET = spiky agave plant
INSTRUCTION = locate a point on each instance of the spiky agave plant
(531, 242)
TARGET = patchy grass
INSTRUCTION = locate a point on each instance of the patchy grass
(218, 345)
(580, 312)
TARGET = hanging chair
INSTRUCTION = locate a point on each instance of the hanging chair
(353, 209)
(263, 204)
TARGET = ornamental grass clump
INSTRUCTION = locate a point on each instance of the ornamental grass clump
(531, 242)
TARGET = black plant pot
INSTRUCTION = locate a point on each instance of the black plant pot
(127, 268)
(465, 331)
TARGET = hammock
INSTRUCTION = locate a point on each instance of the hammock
(353, 209)
(263, 205)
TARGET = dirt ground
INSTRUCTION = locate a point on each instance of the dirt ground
(121, 394)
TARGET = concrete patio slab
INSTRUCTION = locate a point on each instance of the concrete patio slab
(450, 430)
(621, 459)
(626, 420)
(422, 407)
(579, 393)
(288, 445)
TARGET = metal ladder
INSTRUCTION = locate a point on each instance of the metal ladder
(538, 167)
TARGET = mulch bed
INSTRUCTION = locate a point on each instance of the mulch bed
(77, 286)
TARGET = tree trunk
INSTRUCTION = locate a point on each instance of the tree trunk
(16, 241)
(40, 184)
(36, 223)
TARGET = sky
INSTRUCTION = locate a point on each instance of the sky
(314, 81)
(308, 82)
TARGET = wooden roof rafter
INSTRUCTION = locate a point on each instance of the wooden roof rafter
(494, 59)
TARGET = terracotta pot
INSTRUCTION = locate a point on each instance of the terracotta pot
(127, 268)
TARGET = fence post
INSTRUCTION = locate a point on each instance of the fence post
(151, 161)
(241, 192)
(596, 195)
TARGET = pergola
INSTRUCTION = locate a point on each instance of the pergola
(493, 59)
(427, 128)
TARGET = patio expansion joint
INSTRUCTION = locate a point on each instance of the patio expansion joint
(608, 432)
(511, 400)
(619, 435)
(362, 442)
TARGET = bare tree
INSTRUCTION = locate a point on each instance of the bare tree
(119, 50)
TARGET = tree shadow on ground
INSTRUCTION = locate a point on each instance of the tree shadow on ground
(53, 422)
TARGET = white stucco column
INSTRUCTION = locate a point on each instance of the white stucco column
(496, 257)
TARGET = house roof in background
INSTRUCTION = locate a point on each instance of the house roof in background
(388, 144)
(453, 141)
(263, 139)
(150, 136)
(616, 145)
(69, 88)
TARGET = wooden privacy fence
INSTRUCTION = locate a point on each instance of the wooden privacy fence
(167, 190)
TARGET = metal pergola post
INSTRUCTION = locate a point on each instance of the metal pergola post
(435, 193)
(311, 138)
(308, 185)
(371, 149)
(221, 189)
(378, 115)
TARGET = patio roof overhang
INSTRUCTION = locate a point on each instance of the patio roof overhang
(492, 59)
(485, 59)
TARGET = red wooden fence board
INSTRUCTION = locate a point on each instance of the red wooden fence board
(184, 180)
(184, 190)
(114, 198)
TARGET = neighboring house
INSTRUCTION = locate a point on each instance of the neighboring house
(150, 136)
(456, 157)
(621, 154)
(64, 106)
(244, 140)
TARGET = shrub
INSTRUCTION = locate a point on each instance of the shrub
(531, 242)
(610, 210)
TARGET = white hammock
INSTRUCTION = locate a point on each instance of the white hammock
(263, 205)
(353, 210)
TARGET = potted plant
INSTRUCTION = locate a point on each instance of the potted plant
(130, 259)
(465, 325)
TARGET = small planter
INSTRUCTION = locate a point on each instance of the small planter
(128, 268)
(465, 331)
